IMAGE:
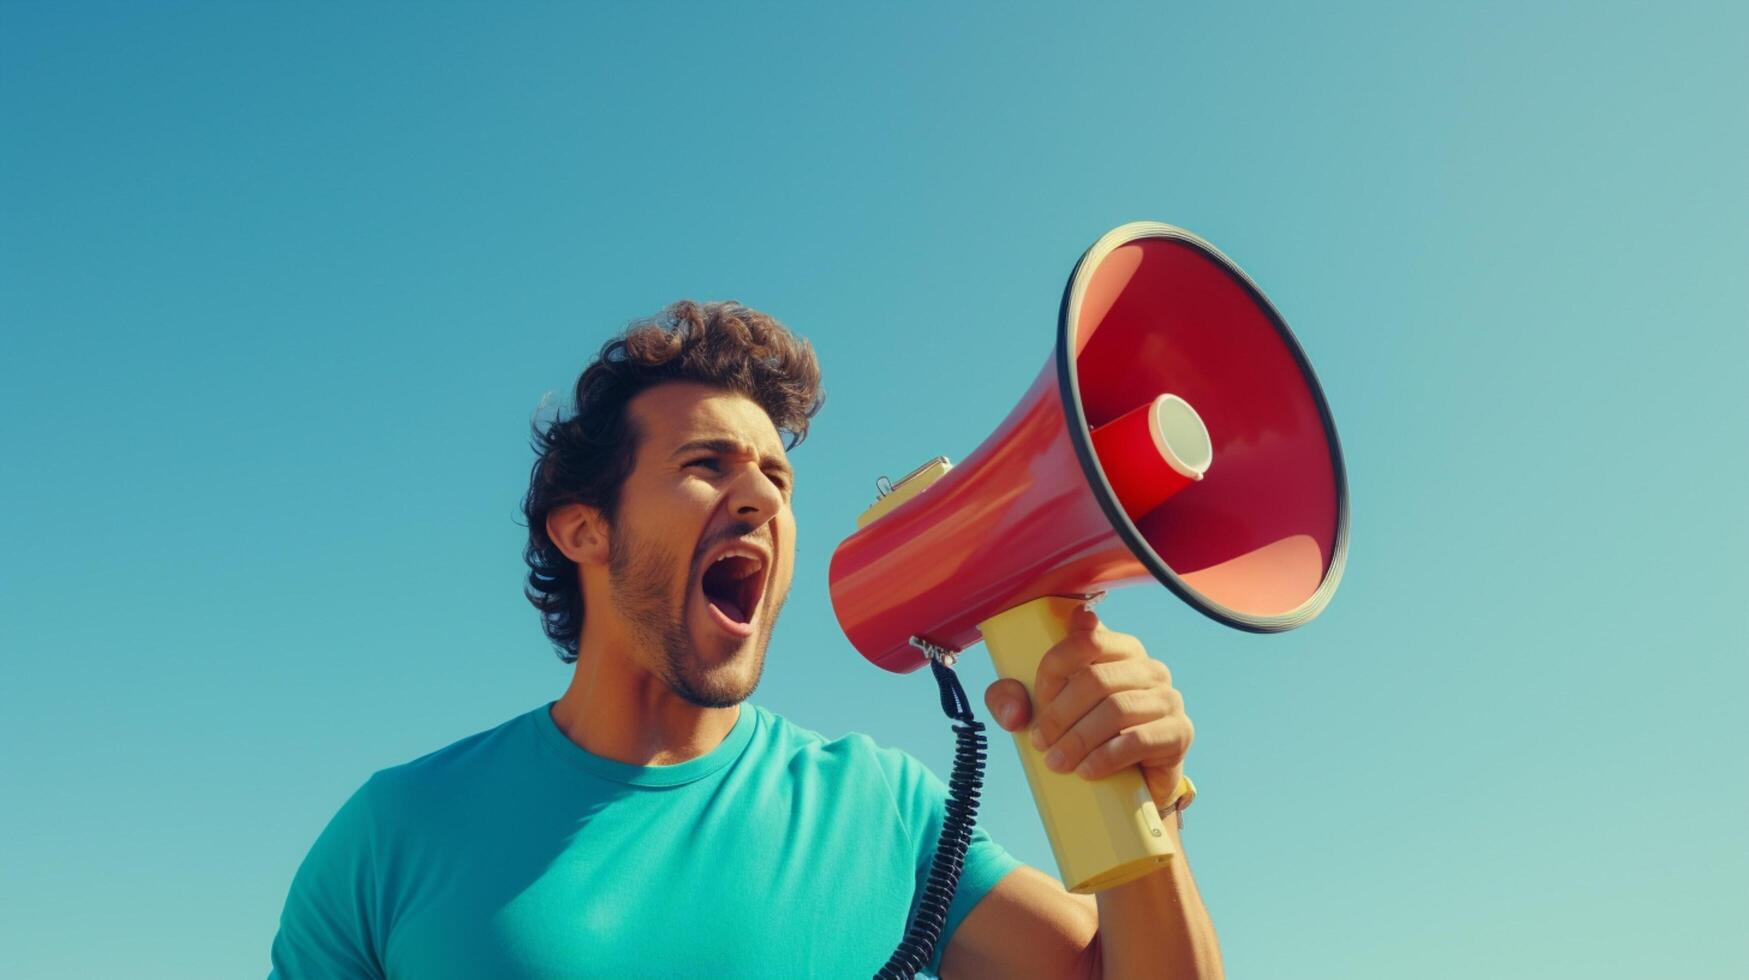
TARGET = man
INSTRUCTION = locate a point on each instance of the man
(647, 823)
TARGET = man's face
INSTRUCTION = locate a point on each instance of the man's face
(703, 544)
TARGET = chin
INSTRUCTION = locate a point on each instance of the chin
(723, 687)
(721, 670)
(727, 681)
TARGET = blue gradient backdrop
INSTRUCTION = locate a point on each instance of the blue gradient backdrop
(282, 286)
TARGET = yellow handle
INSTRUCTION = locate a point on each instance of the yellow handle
(1104, 831)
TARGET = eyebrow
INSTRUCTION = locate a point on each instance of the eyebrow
(730, 447)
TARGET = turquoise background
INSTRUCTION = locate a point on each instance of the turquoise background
(281, 288)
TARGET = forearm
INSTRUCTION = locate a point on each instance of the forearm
(1156, 926)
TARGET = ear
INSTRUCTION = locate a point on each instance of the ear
(580, 532)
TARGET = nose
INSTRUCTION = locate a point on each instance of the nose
(755, 498)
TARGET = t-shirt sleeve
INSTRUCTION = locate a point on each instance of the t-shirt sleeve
(328, 929)
(922, 799)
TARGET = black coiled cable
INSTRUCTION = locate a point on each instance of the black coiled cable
(918, 946)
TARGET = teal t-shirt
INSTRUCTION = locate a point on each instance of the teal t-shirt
(515, 853)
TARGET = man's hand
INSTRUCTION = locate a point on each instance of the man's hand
(1104, 705)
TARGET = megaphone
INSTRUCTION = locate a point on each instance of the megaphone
(1176, 435)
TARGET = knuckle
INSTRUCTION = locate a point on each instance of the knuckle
(1131, 745)
(1133, 706)
(1044, 691)
(1098, 764)
(1140, 741)
(1083, 683)
(1079, 690)
(1104, 674)
(1052, 668)
(1047, 726)
(1042, 674)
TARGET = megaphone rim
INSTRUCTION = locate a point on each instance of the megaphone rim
(1081, 437)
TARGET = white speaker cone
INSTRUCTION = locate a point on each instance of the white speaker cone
(1180, 436)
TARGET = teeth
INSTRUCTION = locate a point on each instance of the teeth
(756, 562)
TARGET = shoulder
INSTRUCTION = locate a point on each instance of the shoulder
(855, 764)
(787, 740)
(445, 771)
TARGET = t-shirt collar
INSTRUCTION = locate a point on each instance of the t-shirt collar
(572, 754)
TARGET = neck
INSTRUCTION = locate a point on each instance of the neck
(617, 710)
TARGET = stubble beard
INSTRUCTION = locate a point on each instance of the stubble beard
(640, 578)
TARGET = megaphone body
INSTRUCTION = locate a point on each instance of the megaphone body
(1176, 435)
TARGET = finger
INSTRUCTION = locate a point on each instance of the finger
(1161, 743)
(1075, 652)
(1083, 620)
(1108, 720)
(1088, 688)
(1009, 704)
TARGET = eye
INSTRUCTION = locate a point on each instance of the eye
(778, 480)
(709, 462)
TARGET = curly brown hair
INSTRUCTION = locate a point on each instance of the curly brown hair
(586, 457)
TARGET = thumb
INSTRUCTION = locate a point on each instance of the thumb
(1008, 702)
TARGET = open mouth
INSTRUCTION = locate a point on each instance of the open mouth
(733, 585)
